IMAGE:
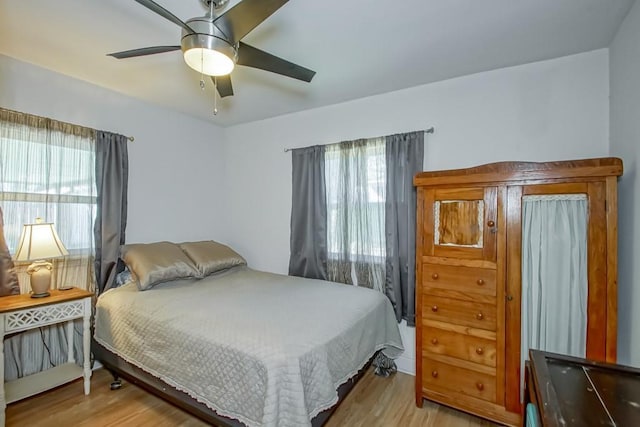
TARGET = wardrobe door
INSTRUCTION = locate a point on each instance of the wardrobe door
(560, 231)
(461, 223)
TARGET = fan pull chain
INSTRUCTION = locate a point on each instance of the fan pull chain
(201, 69)
(215, 96)
(212, 6)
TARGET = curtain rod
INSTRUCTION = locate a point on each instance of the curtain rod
(430, 130)
(130, 138)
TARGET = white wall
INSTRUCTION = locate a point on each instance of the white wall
(175, 163)
(549, 110)
(625, 143)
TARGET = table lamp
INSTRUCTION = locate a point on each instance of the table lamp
(39, 242)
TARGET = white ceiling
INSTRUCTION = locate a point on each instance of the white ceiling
(358, 48)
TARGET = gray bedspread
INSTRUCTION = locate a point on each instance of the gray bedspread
(265, 349)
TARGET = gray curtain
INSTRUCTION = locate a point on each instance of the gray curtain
(112, 173)
(308, 214)
(404, 158)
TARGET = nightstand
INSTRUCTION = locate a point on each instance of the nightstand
(20, 313)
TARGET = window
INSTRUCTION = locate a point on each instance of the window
(54, 180)
(355, 178)
(47, 170)
(353, 215)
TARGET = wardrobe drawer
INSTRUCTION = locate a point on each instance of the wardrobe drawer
(467, 283)
(459, 345)
(440, 375)
(476, 315)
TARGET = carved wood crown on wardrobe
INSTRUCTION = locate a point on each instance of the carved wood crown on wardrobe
(468, 279)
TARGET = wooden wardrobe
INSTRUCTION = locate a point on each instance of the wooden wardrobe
(468, 281)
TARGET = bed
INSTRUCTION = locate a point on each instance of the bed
(239, 346)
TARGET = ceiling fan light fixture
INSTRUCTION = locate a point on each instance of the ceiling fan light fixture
(209, 62)
(209, 55)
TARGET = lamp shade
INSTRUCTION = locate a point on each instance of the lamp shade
(39, 241)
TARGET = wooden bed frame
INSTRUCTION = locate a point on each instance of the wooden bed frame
(121, 368)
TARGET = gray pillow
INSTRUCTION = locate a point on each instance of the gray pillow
(9, 284)
(153, 263)
(211, 257)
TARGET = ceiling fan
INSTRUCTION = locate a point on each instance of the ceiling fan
(211, 44)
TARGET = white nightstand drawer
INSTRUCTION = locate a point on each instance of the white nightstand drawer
(29, 318)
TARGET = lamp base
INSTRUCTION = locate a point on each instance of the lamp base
(42, 295)
(40, 275)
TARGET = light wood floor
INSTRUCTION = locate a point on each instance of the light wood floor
(374, 401)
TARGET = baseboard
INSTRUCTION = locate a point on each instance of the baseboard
(406, 362)
(96, 365)
(406, 365)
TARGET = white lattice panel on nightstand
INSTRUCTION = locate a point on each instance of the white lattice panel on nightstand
(43, 316)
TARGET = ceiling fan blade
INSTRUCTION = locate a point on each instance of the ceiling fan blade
(238, 21)
(249, 56)
(143, 51)
(155, 7)
(223, 84)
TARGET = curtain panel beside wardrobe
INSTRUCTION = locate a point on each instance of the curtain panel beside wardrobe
(554, 274)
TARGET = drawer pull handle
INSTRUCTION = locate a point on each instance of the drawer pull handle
(435, 276)
(479, 350)
(480, 282)
(480, 316)
(434, 374)
(434, 308)
(434, 341)
(480, 386)
(491, 224)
